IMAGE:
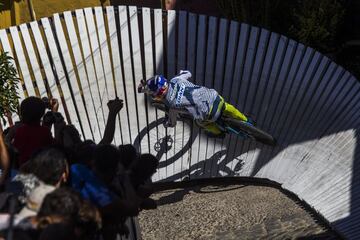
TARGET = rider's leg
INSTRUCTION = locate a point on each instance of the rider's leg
(210, 127)
(231, 111)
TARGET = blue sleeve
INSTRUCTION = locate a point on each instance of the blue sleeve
(89, 186)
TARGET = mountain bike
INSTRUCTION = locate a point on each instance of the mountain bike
(227, 125)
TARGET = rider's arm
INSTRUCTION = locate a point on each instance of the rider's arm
(171, 118)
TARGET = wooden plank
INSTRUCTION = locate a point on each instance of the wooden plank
(245, 84)
(175, 132)
(199, 73)
(20, 56)
(270, 74)
(225, 90)
(69, 104)
(121, 128)
(275, 73)
(199, 79)
(221, 55)
(107, 66)
(208, 73)
(80, 68)
(295, 91)
(159, 45)
(214, 147)
(159, 64)
(171, 41)
(331, 77)
(345, 104)
(119, 81)
(182, 36)
(191, 41)
(273, 63)
(229, 70)
(128, 77)
(47, 66)
(235, 149)
(181, 65)
(280, 81)
(98, 64)
(73, 82)
(267, 52)
(286, 84)
(90, 73)
(104, 52)
(302, 88)
(307, 98)
(149, 72)
(187, 129)
(137, 69)
(33, 62)
(249, 109)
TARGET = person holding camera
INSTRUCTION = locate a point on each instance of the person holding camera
(31, 135)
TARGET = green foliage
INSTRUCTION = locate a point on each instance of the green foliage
(317, 23)
(271, 14)
(314, 23)
(9, 98)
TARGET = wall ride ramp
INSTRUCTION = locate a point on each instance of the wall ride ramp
(309, 103)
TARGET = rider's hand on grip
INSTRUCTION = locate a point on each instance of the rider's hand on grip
(141, 86)
(167, 123)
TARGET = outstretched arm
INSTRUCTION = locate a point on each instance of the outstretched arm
(114, 108)
(4, 158)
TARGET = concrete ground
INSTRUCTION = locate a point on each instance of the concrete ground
(228, 212)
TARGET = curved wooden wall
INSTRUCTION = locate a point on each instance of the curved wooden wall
(310, 104)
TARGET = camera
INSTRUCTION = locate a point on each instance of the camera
(46, 102)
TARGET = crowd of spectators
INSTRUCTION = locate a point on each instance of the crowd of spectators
(60, 186)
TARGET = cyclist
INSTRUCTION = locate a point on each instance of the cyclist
(204, 104)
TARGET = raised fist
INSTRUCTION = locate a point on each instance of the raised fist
(115, 105)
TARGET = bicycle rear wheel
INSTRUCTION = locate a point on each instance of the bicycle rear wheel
(251, 130)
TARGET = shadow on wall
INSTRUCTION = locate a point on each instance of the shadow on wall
(297, 115)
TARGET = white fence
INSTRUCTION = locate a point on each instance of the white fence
(310, 104)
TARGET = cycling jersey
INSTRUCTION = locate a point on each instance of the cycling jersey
(196, 99)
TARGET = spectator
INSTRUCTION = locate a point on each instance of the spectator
(31, 136)
(142, 170)
(128, 155)
(34, 201)
(66, 205)
(63, 215)
(49, 166)
(4, 159)
(95, 184)
(140, 175)
(31, 207)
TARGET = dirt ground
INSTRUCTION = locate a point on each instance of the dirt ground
(228, 212)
